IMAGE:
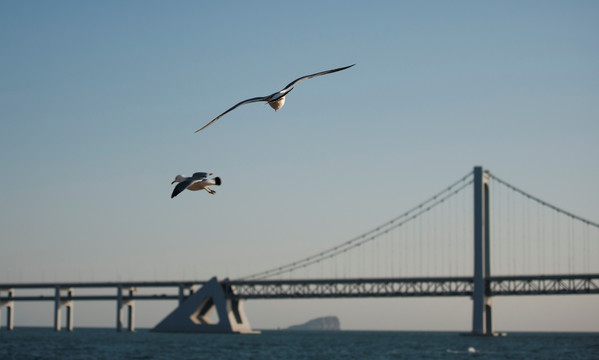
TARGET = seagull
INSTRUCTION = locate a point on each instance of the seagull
(276, 100)
(198, 181)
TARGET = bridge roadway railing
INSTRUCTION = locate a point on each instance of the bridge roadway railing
(410, 287)
(545, 285)
(328, 288)
(350, 288)
(108, 290)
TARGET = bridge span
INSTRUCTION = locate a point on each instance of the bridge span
(413, 287)
(124, 294)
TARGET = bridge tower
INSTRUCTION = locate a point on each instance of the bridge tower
(482, 323)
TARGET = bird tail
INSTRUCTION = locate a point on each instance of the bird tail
(217, 181)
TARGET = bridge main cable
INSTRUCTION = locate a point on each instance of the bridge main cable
(370, 235)
(544, 203)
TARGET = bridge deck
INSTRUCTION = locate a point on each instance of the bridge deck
(327, 288)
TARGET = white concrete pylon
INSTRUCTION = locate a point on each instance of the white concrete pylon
(59, 302)
(10, 309)
(193, 314)
(130, 304)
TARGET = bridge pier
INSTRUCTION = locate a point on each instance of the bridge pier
(482, 322)
(130, 304)
(58, 304)
(193, 313)
(9, 305)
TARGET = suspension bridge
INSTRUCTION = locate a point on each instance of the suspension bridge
(479, 237)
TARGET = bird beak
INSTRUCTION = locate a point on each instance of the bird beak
(173, 182)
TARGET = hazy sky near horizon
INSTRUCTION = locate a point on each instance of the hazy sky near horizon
(100, 101)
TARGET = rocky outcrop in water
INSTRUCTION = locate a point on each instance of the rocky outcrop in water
(321, 323)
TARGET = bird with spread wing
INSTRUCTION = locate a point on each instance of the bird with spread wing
(198, 181)
(276, 100)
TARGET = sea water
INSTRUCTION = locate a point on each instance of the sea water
(43, 343)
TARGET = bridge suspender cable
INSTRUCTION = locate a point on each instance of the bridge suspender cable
(419, 210)
(370, 235)
(522, 192)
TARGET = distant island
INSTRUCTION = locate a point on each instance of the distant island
(321, 323)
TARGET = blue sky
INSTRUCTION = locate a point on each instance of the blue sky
(100, 101)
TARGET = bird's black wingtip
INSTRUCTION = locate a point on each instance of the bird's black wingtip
(217, 181)
(343, 68)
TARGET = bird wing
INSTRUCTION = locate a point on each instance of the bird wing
(200, 175)
(256, 99)
(291, 84)
(180, 187)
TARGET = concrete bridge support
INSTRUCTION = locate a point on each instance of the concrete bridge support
(482, 323)
(59, 302)
(193, 313)
(10, 311)
(130, 304)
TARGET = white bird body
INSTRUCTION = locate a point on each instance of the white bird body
(200, 184)
(198, 181)
(275, 100)
(278, 103)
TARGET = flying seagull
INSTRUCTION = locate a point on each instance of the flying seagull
(276, 100)
(198, 181)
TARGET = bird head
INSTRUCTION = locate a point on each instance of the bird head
(178, 178)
